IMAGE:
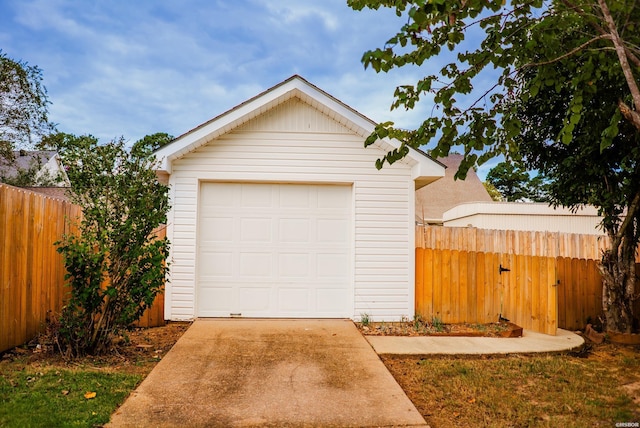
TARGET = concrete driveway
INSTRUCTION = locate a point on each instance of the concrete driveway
(273, 373)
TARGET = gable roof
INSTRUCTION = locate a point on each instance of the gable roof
(46, 164)
(433, 200)
(424, 168)
(24, 159)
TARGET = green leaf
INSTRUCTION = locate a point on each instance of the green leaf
(575, 118)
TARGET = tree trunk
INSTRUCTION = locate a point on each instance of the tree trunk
(618, 285)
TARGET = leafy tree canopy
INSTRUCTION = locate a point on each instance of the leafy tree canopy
(23, 106)
(514, 183)
(153, 142)
(551, 84)
(493, 192)
(508, 38)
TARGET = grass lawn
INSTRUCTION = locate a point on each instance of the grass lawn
(50, 397)
(41, 389)
(524, 391)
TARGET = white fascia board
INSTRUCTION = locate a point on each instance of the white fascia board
(295, 86)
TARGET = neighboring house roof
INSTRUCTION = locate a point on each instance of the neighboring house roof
(48, 164)
(442, 195)
(53, 192)
(424, 169)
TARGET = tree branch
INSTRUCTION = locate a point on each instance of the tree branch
(568, 54)
(631, 213)
(631, 55)
(624, 61)
(630, 115)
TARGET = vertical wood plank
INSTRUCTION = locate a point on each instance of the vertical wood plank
(584, 292)
(528, 284)
(19, 243)
(491, 286)
(472, 303)
(535, 293)
(591, 289)
(551, 324)
(481, 287)
(463, 288)
(437, 283)
(454, 289)
(511, 284)
(543, 286)
(6, 297)
(428, 283)
(577, 298)
(420, 281)
(519, 277)
(446, 285)
(561, 290)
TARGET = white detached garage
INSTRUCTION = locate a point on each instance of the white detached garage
(278, 211)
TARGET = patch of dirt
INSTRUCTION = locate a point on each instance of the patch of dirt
(136, 351)
(502, 329)
(633, 389)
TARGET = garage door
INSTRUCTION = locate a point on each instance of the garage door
(274, 250)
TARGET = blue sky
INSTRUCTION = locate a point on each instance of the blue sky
(131, 68)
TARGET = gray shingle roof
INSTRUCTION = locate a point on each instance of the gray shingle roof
(25, 159)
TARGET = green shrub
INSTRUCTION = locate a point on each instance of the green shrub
(115, 263)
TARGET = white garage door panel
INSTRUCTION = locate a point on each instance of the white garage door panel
(274, 250)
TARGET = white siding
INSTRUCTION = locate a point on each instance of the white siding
(524, 216)
(294, 143)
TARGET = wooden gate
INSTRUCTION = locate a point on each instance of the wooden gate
(461, 286)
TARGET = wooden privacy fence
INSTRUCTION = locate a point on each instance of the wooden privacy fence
(31, 270)
(539, 292)
(32, 285)
(461, 286)
(154, 315)
(580, 292)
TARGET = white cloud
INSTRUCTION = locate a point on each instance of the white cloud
(42, 15)
(293, 12)
(121, 67)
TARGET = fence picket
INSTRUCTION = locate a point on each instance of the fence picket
(420, 281)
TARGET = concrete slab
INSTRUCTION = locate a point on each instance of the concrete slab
(530, 342)
(268, 373)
